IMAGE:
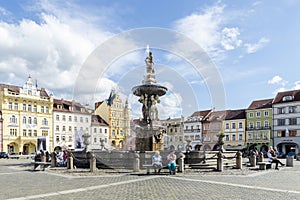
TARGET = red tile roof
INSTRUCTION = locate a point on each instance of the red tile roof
(258, 104)
(285, 96)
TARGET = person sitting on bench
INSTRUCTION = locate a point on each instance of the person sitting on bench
(157, 162)
(273, 159)
(172, 162)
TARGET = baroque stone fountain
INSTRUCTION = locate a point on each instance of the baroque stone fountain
(149, 132)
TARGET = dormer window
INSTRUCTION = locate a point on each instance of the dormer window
(287, 98)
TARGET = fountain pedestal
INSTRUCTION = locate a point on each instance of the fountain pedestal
(149, 134)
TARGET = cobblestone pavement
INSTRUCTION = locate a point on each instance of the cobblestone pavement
(18, 181)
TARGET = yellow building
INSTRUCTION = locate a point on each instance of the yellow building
(117, 114)
(234, 128)
(27, 117)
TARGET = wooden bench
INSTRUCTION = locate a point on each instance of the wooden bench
(42, 165)
(264, 165)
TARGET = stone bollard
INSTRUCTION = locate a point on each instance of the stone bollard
(70, 161)
(136, 162)
(261, 157)
(252, 160)
(239, 160)
(181, 162)
(53, 159)
(220, 162)
(93, 167)
(290, 161)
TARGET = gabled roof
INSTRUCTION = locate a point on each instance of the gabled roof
(68, 106)
(215, 116)
(201, 113)
(98, 121)
(258, 104)
(287, 96)
(235, 114)
(16, 89)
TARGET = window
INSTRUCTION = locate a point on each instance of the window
(70, 138)
(87, 120)
(251, 125)
(240, 137)
(70, 128)
(206, 127)
(280, 122)
(45, 122)
(226, 137)
(257, 114)
(64, 128)
(227, 126)
(29, 133)
(233, 137)
(35, 133)
(42, 109)
(95, 140)
(95, 130)
(186, 127)
(113, 133)
(35, 121)
(121, 133)
(292, 109)
(292, 133)
(13, 132)
(57, 128)
(13, 120)
(57, 138)
(57, 117)
(293, 121)
(47, 109)
(16, 106)
(75, 118)
(10, 105)
(266, 124)
(258, 125)
(64, 117)
(81, 119)
(63, 138)
(265, 136)
(44, 133)
(75, 129)
(233, 125)
(29, 108)
(266, 113)
(24, 132)
(34, 107)
(251, 115)
(240, 125)
(249, 136)
(280, 110)
(256, 136)
(70, 118)
(24, 106)
(24, 120)
(280, 133)
(105, 130)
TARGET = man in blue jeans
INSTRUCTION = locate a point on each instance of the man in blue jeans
(172, 162)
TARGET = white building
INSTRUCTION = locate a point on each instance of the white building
(99, 133)
(286, 121)
(70, 121)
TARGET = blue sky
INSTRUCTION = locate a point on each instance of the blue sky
(254, 45)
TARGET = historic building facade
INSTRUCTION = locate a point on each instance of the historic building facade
(173, 136)
(259, 124)
(193, 129)
(212, 127)
(234, 128)
(27, 117)
(286, 121)
(117, 115)
(70, 121)
(99, 133)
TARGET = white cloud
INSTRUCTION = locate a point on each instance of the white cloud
(252, 48)
(51, 48)
(297, 85)
(230, 38)
(277, 80)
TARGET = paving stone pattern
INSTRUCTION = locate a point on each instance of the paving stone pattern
(19, 181)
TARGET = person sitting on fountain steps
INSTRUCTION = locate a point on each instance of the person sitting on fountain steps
(157, 162)
(172, 162)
